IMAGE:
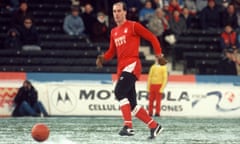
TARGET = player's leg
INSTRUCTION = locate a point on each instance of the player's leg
(142, 115)
(124, 85)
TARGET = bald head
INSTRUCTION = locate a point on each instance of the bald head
(119, 12)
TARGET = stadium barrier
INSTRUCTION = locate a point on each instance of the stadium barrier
(72, 95)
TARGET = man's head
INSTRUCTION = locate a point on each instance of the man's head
(23, 6)
(101, 17)
(211, 3)
(119, 12)
(148, 4)
(88, 8)
(75, 11)
(27, 22)
(27, 84)
(174, 2)
(231, 9)
(176, 13)
(228, 29)
(185, 11)
(159, 13)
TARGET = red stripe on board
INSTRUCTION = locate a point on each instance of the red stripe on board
(182, 78)
(5, 116)
(12, 76)
(171, 78)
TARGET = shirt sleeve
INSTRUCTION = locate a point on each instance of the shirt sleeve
(146, 34)
(111, 52)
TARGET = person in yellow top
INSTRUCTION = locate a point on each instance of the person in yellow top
(157, 80)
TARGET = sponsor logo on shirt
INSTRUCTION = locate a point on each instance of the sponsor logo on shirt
(120, 40)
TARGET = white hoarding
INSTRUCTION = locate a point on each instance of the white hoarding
(96, 99)
(203, 100)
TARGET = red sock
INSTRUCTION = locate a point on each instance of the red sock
(126, 112)
(141, 114)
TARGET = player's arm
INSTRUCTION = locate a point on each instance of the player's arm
(108, 55)
(149, 36)
(146, 34)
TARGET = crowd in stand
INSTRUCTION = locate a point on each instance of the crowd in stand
(22, 33)
(167, 19)
(87, 23)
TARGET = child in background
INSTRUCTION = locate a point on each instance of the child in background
(157, 80)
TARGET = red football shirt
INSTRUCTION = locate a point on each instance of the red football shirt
(125, 41)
